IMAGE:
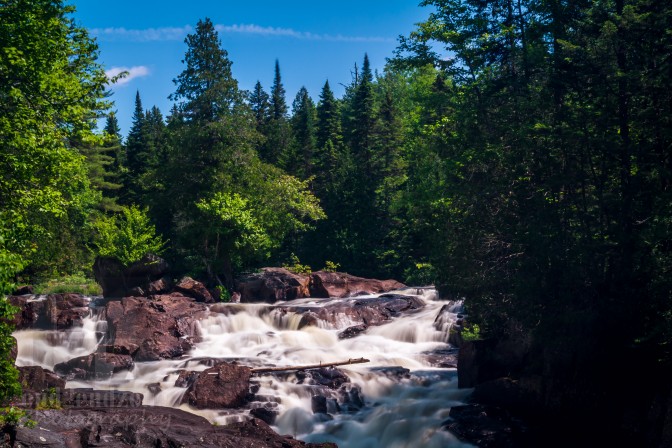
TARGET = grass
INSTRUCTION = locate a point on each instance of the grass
(76, 283)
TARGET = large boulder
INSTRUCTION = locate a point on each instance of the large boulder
(144, 277)
(339, 284)
(194, 289)
(272, 285)
(94, 366)
(226, 385)
(147, 427)
(160, 327)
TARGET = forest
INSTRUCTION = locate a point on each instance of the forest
(515, 153)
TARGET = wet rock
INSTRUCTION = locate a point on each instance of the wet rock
(94, 366)
(149, 427)
(66, 310)
(186, 378)
(23, 290)
(332, 377)
(267, 415)
(162, 327)
(154, 388)
(394, 372)
(272, 285)
(223, 386)
(91, 398)
(38, 379)
(118, 280)
(31, 312)
(350, 398)
(339, 284)
(319, 404)
(309, 320)
(353, 331)
(364, 311)
(194, 289)
(445, 358)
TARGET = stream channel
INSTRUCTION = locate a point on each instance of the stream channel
(399, 399)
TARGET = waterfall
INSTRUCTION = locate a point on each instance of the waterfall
(393, 407)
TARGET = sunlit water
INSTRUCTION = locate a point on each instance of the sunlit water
(397, 411)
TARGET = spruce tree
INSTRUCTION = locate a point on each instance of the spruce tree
(260, 105)
(278, 101)
(278, 131)
(299, 158)
(135, 155)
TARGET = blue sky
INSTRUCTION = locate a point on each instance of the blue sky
(313, 40)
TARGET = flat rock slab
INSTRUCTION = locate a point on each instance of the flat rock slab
(147, 427)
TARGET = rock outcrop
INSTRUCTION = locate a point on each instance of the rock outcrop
(55, 312)
(194, 289)
(272, 285)
(223, 386)
(338, 284)
(149, 329)
(144, 277)
(358, 314)
(278, 284)
(96, 366)
(147, 427)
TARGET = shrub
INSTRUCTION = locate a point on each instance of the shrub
(127, 237)
(296, 267)
(330, 266)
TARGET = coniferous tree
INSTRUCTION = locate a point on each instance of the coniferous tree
(228, 207)
(260, 105)
(278, 131)
(299, 158)
(135, 155)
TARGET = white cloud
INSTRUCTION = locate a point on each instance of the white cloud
(178, 33)
(142, 35)
(132, 73)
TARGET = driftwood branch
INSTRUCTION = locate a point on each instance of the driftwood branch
(311, 366)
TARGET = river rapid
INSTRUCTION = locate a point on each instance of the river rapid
(399, 399)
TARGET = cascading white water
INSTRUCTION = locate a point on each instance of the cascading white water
(397, 411)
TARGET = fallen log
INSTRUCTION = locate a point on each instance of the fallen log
(311, 366)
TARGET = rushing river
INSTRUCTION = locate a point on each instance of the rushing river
(392, 408)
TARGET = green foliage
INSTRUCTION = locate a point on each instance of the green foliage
(12, 416)
(294, 265)
(330, 266)
(420, 274)
(224, 294)
(49, 400)
(471, 333)
(74, 283)
(127, 236)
